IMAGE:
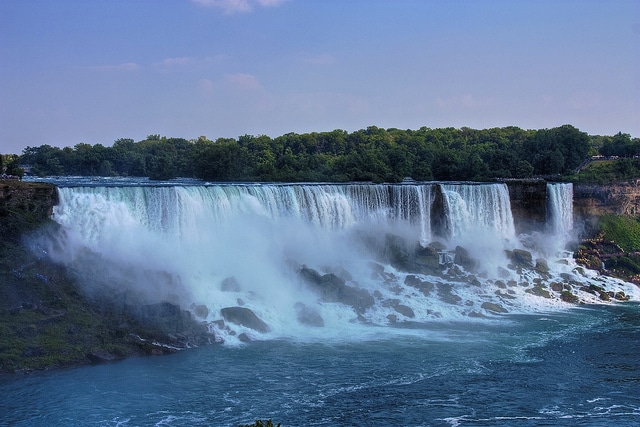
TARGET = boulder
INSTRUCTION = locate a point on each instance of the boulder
(244, 317)
(200, 310)
(308, 316)
(542, 266)
(230, 284)
(396, 251)
(446, 295)
(539, 291)
(464, 260)
(428, 258)
(404, 310)
(415, 282)
(332, 288)
(495, 308)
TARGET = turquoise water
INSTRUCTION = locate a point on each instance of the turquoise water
(575, 368)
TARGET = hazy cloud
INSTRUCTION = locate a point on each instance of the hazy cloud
(243, 81)
(230, 7)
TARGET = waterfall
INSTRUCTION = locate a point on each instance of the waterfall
(560, 208)
(367, 246)
(474, 207)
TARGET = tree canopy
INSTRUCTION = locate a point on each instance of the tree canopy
(371, 154)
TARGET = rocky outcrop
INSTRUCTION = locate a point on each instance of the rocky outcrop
(24, 206)
(332, 288)
(591, 201)
(244, 317)
(528, 200)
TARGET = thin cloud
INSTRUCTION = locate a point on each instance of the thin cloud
(230, 7)
(243, 81)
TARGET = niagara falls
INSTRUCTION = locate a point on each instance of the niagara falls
(343, 303)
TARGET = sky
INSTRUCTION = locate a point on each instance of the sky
(93, 71)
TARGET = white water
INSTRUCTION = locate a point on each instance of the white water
(180, 243)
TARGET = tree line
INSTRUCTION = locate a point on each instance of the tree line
(371, 154)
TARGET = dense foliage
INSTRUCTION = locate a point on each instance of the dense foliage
(371, 154)
(623, 230)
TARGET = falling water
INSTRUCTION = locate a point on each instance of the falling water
(183, 242)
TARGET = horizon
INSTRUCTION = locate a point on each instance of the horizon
(91, 72)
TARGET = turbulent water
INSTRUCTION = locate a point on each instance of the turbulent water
(477, 334)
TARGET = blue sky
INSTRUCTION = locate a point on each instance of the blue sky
(93, 71)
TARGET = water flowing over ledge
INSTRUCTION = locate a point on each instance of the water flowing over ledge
(323, 261)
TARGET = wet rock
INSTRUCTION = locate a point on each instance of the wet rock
(244, 317)
(200, 310)
(332, 288)
(230, 284)
(621, 296)
(446, 295)
(495, 308)
(542, 266)
(463, 259)
(557, 287)
(567, 296)
(427, 258)
(244, 337)
(404, 310)
(521, 257)
(539, 291)
(396, 252)
(308, 315)
(101, 356)
(415, 282)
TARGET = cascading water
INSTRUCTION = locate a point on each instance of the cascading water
(351, 254)
(560, 208)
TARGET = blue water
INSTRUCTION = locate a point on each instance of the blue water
(575, 368)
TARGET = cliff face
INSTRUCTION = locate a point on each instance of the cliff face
(591, 201)
(24, 206)
(528, 204)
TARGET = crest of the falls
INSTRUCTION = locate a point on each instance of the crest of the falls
(301, 255)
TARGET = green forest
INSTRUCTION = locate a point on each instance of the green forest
(372, 154)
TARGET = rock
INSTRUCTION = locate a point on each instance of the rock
(495, 308)
(557, 286)
(230, 284)
(161, 310)
(404, 310)
(539, 291)
(244, 317)
(201, 310)
(101, 356)
(446, 295)
(331, 288)
(567, 296)
(542, 266)
(463, 259)
(621, 296)
(308, 316)
(415, 282)
(428, 258)
(396, 252)
(521, 257)
(244, 337)
(438, 246)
